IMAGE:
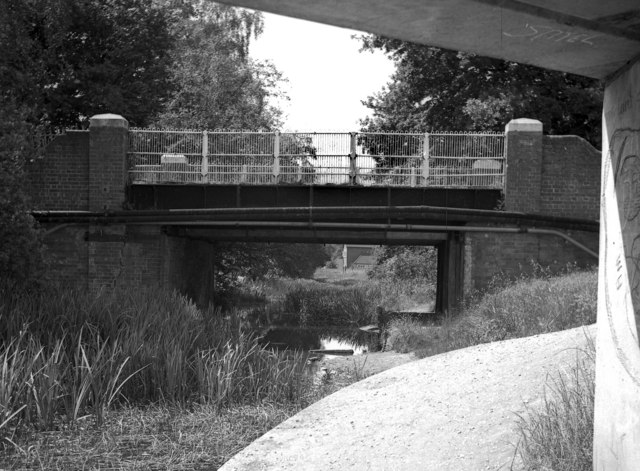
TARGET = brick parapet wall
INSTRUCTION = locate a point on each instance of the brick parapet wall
(551, 175)
(570, 183)
(60, 179)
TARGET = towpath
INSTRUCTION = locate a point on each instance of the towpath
(455, 411)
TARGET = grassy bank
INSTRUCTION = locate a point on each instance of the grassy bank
(133, 380)
(558, 436)
(525, 307)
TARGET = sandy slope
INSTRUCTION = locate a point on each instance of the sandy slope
(454, 411)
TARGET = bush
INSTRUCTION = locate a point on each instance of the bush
(405, 263)
(330, 264)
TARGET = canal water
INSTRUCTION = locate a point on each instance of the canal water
(320, 338)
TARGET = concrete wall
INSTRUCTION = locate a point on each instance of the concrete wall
(617, 406)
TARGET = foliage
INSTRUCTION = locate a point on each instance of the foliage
(157, 436)
(62, 62)
(559, 435)
(66, 354)
(437, 89)
(352, 304)
(71, 59)
(324, 305)
(407, 334)
(237, 261)
(216, 84)
(525, 307)
(21, 256)
(405, 263)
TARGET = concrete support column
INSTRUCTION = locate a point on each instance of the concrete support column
(617, 403)
(524, 165)
(107, 162)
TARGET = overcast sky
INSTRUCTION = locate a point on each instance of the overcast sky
(328, 76)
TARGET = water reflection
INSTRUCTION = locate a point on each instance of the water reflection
(321, 338)
(331, 343)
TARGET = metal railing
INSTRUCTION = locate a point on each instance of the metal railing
(467, 160)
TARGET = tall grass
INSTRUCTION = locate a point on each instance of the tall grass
(65, 355)
(321, 304)
(559, 435)
(526, 307)
(310, 303)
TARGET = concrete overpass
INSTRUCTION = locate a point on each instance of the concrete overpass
(591, 38)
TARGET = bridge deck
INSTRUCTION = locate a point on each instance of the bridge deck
(181, 196)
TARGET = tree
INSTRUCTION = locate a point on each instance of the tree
(437, 89)
(21, 255)
(260, 260)
(73, 59)
(405, 264)
(216, 84)
(63, 61)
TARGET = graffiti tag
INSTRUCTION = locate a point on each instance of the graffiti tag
(549, 33)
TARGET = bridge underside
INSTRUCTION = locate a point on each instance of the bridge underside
(588, 37)
(450, 247)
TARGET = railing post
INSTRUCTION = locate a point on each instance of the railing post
(244, 173)
(276, 157)
(353, 168)
(204, 168)
(425, 159)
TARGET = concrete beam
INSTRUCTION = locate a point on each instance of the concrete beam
(587, 37)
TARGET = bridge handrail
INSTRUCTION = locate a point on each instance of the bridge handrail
(441, 159)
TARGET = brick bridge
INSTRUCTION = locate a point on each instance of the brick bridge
(145, 207)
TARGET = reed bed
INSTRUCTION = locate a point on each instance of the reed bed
(66, 356)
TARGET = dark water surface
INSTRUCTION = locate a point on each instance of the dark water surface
(324, 338)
